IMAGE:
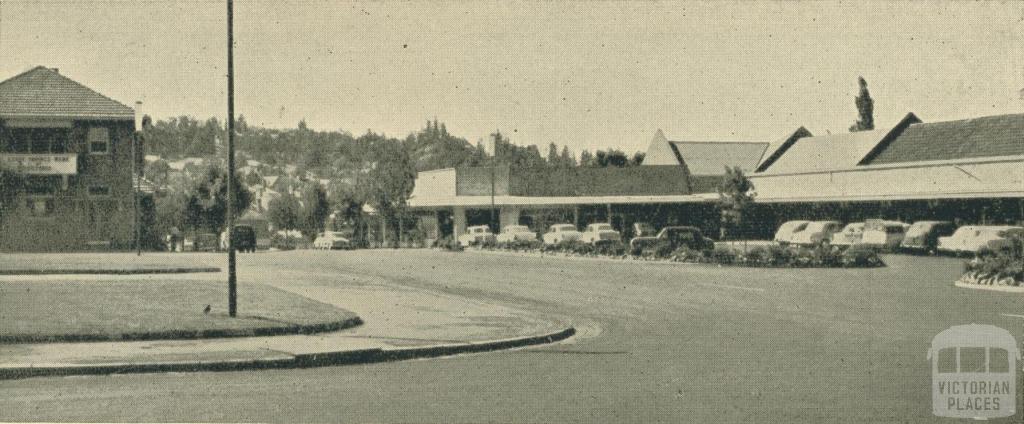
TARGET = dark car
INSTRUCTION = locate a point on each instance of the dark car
(674, 238)
(923, 236)
(205, 242)
(244, 237)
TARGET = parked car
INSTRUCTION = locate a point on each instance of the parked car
(675, 237)
(244, 237)
(816, 232)
(883, 234)
(477, 234)
(560, 232)
(331, 240)
(598, 233)
(851, 234)
(516, 233)
(206, 242)
(788, 230)
(974, 238)
(924, 235)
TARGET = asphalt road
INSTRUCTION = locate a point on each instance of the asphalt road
(662, 343)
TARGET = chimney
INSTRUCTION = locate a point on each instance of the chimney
(138, 115)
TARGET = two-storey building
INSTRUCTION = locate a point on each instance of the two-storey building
(65, 161)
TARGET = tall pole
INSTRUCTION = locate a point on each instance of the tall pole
(232, 283)
(135, 178)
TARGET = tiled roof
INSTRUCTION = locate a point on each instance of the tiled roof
(44, 93)
(711, 157)
(778, 147)
(988, 136)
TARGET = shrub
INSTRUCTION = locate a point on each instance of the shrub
(1004, 263)
(685, 254)
(723, 255)
(610, 248)
(448, 244)
(860, 256)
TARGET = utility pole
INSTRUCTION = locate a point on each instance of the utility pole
(232, 282)
(135, 178)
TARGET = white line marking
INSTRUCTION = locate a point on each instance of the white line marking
(1012, 315)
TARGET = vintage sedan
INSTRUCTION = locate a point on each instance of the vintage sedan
(975, 238)
(883, 234)
(788, 230)
(475, 235)
(595, 233)
(816, 232)
(674, 237)
(560, 232)
(851, 234)
(513, 233)
(331, 240)
(924, 236)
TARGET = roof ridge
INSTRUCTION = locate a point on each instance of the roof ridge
(719, 142)
(21, 74)
(976, 118)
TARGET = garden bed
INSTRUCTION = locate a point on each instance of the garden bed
(772, 256)
(1002, 268)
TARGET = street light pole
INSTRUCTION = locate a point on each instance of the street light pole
(232, 282)
(135, 178)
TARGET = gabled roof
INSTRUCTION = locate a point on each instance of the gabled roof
(778, 147)
(988, 136)
(834, 151)
(712, 157)
(44, 93)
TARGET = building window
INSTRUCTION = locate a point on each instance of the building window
(99, 140)
(39, 206)
(99, 191)
(36, 140)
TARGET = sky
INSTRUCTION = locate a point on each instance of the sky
(587, 75)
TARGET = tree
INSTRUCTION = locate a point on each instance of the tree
(389, 180)
(735, 195)
(586, 159)
(315, 210)
(553, 159)
(865, 107)
(638, 159)
(206, 207)
(568, 160)
(283, 212)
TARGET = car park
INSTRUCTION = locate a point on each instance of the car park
(851, 234)
(923, 236)
(599, 232)
(787, 231)
(513, 233)
(673, 237)
(975, 238)
(816, 232)
(331, 240)
(477, 234)
(883, 234)
(560, 232)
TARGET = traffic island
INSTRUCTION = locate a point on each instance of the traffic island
(117, 263)
(155, 309)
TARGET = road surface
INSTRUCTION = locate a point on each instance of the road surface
(660, 343)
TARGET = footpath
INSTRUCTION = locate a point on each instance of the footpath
(397, 323)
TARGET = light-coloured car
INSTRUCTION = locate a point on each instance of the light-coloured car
(599, 232)
(850, 235)
(788, 230)
(516, 233)
(560, 232)
(817, 232)
(331, 240)
(883, 234)
(477, 234)
(974, 238)
(924, 235)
